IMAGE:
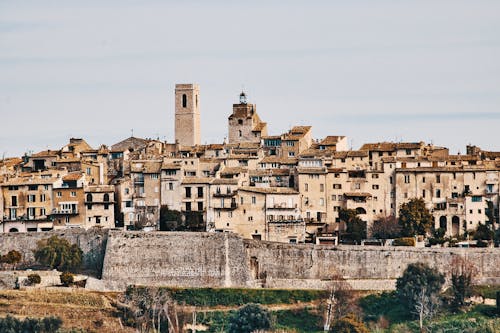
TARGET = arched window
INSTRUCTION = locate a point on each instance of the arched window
(13, 230)
(89, 197)
(106, 197)
(360, 210)
(442, 222)
(184, 101)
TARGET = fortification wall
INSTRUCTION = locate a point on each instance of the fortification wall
(175, 259)
(226, 260)
(309, 262)
(92, 243)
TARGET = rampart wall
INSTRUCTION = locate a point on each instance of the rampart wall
(92, 243)
(225, 260)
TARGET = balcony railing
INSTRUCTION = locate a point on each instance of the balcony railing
(65, 211)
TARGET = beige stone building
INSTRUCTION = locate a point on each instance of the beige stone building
(99, 206)
(187, 114)
(69, 202)
(245, 124)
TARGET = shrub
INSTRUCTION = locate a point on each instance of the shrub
(67, 279)
(404, 241)
(34, 279)
(12, 257)
(249, 318)
(58, 253)
(45, 325)
(349, 324)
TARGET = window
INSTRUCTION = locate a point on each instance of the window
(438, 193)
(254, 200)
(306, 187)
(321, 201)
(32, 187)
(188, 192)
(407, 179)
(250, 218)
(89, 171)
(31, 212)
(357, 186)
(423, 193)
(230, 214)
(438, 179)
(170, 186)
(239, 133)
(13, 188)
(154, 176)
(375, 198)
(479, 211)
(46, 187)
(73, 193)
(337, 186)
(200, 192)
(423, 179)
(321, 187)
(59, 194)
(476, 198)
(127, 191)
(89, 206)
(89, 197)
(188, 206)
(31, 198)
(42, 197)
(66, 219)
(128, 204)
(200, 206)
(375, 175)
(184, 101)
(240, 121)
(106, 206)
(291, 154)
(42, 211)
(337, 175)
(241, 200)
(334, 197)
(218, 213)
(375, 187)
(408, 151)
(14, 200)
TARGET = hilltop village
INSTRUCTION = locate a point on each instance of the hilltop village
(287, 188)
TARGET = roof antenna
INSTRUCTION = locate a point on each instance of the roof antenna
(132, 132)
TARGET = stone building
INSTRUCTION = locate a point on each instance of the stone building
(99, 206)
(187, 114)
(69, 202)
(245, 124)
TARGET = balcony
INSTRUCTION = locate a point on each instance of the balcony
(282, 205)
(226, 206)
(72, 211)
(224, 194)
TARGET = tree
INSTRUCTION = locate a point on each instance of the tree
(58, 253)
(386, 227)
(415, 218)
(341, 301)
(249, 318)
(484, 232)
(463, 272)
(349, 324)
(418, 288)
(355, 227)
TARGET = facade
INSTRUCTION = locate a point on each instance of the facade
(245, 124)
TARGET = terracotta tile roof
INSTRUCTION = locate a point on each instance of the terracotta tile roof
(225, 181)
(73, 176)
(331, 140)
(269, 190)
(270, 172)
(46, 153)
(259, 127)
(197, 180)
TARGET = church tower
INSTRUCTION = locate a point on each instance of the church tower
(187, 114)
(245, 124)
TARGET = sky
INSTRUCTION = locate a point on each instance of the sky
(385, 70)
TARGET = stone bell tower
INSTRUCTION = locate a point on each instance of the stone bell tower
(187, 114)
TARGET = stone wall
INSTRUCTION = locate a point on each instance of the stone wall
(92, 243)
(186, 259)
(175, 259)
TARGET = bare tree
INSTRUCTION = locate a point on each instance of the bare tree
(463, 272)
(340, 301)
(426, 306)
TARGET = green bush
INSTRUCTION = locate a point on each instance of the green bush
(349, 324)
(12, 257)
(34, 279)
(249, 318)
(404, 241)
(45, 325)
(239, 296)
(67, 279)
(385, 305)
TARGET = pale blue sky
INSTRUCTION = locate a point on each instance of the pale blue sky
(370, 70)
